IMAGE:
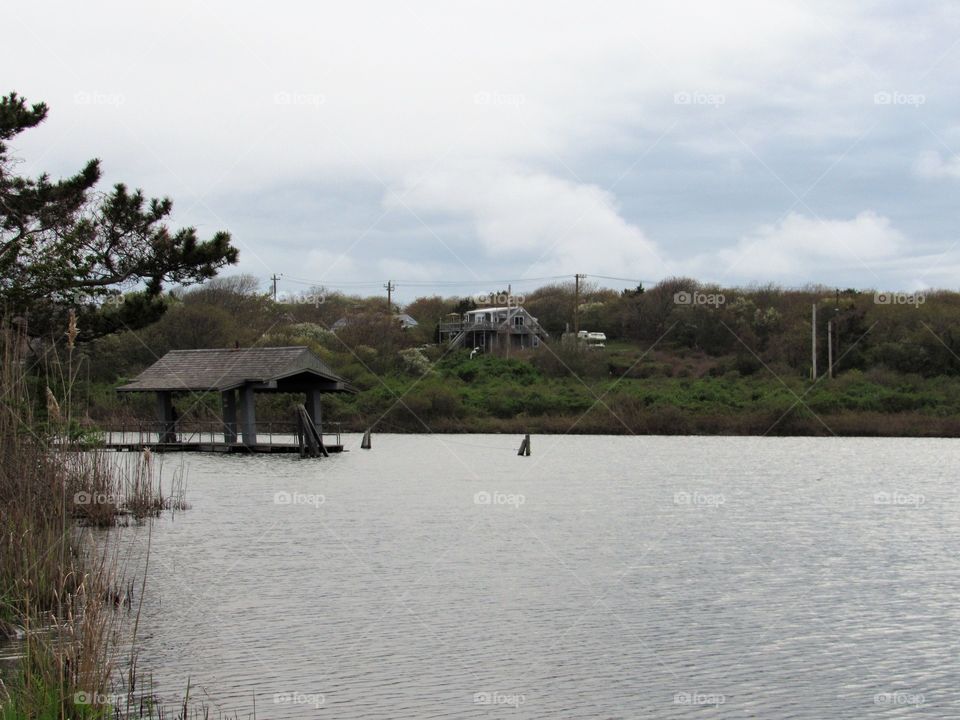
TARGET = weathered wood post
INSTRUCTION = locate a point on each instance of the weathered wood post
(525, 446)
(314, 409)
(168, 430)
(365, 444)
(228, 405)
(248, 416)
(299, 431)
(312, 442)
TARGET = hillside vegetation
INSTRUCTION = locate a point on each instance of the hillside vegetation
(680, 358)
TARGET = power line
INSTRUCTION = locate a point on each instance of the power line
(622, 279)
(422, 283)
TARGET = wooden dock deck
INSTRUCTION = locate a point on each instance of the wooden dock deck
(213, 447)
(209, 437)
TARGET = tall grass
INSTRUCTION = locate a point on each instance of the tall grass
(60, 594)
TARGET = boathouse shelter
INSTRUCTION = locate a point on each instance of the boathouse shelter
(237, 374)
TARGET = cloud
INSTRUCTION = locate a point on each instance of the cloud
(541, 224)
(801, 248)
(292, 126)
(934, 165)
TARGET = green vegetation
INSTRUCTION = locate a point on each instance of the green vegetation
(738, 367)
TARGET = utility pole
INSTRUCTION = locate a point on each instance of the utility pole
(576, 303)
(390, 288)
(830, 347)
(836, 327)
(813, 344)
(275, 277)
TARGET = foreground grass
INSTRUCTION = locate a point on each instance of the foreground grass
(59, 595)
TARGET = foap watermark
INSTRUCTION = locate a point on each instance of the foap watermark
(315, 299)
(299, 698)
(699, 298)
(699, 98)
(93, 97)
(699, 698)
(699, 499)
(899, 499)
(499, 299)
(89, 697)
(514, 500)
(486, 97)
(513, 700)
(899, 697)
(899, 298)
(893, 97)
(88, 298)
(86, 498)
(286, 97)
(297, 498)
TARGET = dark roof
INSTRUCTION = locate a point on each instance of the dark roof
(225, 369)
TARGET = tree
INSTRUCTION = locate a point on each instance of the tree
(63, 245)
(428, 312)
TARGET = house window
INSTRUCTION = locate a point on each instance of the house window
(518, 320)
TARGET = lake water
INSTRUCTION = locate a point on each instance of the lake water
(602, 577)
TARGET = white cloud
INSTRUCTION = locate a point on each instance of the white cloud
(933, 165)
(540, 224)
(801, 248)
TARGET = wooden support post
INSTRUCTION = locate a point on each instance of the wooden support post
(301, 437)
(365, 444)
(311, 442)
(314, 409)
(525, 446)
(228, 404)
(248, 416)
(168, 426)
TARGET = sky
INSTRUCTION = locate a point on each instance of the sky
(448, 146)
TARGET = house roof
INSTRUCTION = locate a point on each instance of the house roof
(225, 369)
(495, 309)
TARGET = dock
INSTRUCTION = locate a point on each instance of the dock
(210, 437)
(237, 375)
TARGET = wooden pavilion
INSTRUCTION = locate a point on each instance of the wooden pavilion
(237, 375)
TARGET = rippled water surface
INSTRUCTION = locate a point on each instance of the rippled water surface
(602, 577)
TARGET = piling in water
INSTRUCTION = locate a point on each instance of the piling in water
(525, 446)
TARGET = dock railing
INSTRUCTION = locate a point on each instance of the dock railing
(150, 432)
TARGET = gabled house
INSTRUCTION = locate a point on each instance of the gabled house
(406, 322)
(492, 328)
(403, 320)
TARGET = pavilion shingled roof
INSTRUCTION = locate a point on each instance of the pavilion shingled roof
(224, 369)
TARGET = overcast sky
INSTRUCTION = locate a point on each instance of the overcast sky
(439, 142)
